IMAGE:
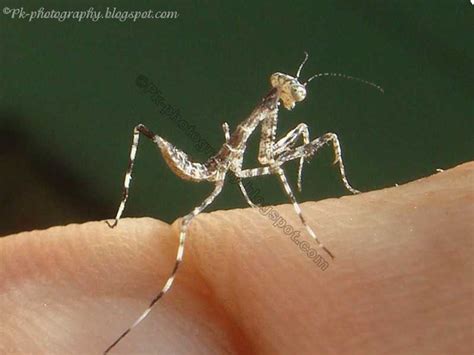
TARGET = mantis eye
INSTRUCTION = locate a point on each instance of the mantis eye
(298, 92)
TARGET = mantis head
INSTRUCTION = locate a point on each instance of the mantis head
(292, 91)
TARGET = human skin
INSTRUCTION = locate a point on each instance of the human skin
(401, 283)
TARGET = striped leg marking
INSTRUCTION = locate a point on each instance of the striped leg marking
(288, 142)
(128, 175)
(297, 208)
(308, 150)
(179, 258)
(225, 128)
(250, 173)
(246, 195)
(338, 160)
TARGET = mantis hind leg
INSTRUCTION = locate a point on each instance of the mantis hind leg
(139, 129)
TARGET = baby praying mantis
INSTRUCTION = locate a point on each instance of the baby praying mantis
(272, 155)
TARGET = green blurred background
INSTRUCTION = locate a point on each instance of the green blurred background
(69, 98)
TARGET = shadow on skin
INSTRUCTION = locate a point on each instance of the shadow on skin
(401, 281)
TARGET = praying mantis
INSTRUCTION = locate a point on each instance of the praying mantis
(272, 155)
